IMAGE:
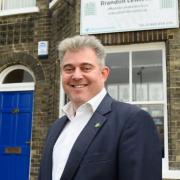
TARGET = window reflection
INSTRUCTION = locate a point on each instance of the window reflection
(118, 81)
(147, 75)
(143, 72)
(157, 113)
(18, 76)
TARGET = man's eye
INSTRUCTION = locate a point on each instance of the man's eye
(68, 69)
(86, 68)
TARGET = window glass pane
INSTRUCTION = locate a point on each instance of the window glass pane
(14, 4)
(18, 76)
(156, 111)
(146, 69)
(147, 75)
(118, 81)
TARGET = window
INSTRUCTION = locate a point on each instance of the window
(138, 76)
(8, 7)
(14, 4)
(17, 78)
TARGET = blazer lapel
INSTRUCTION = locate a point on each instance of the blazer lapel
(86, 137)
(56, 130)
(51, 139)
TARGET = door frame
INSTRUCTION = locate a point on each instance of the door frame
(28, 86)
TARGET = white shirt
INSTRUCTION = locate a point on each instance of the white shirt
(71, 132)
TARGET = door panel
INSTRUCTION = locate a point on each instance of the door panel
(15, 132)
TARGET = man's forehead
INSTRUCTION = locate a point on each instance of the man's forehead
(77, 64)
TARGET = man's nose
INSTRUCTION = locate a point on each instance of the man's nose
(77, 74)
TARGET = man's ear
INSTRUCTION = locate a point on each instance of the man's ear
(105, 72)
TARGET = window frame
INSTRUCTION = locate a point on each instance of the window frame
(16, 86)
(26, 10)
(148, 47)
(166, 172)
(52, 3)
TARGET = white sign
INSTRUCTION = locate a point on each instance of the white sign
(103, 16)
(42, 48)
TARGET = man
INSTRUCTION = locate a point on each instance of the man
(98, 138)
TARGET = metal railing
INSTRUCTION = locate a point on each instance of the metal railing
(16, 4)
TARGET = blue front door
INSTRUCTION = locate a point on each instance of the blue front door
(15, 134)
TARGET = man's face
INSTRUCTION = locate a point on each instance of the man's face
(82, 76)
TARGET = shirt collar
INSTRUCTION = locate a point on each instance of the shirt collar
(96, 100)
(93, 103)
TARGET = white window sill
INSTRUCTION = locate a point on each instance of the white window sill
(18, 11)
(171, 174)
(52, 3)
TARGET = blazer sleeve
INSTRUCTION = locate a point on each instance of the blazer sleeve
(140, 156)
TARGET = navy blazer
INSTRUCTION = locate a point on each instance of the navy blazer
(120, 142)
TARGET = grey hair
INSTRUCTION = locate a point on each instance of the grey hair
(77, 42)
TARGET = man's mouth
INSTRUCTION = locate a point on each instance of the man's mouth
(78, 86)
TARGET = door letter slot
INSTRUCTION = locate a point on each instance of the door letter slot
(13, 150)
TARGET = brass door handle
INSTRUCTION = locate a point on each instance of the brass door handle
(15, 110)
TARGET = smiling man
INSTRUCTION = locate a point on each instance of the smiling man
(82, 76)
(98, 137)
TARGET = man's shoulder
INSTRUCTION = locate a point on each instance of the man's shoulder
(112, 105)
(130, 113)
(124, 106)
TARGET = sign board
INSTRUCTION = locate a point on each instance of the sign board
(106, 16)
(42, 48)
